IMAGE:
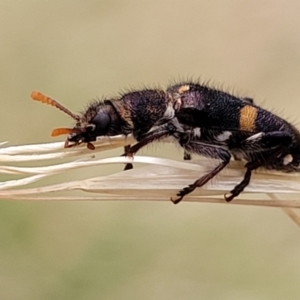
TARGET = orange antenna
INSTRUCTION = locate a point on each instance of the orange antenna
(61, 131)
(44, 99)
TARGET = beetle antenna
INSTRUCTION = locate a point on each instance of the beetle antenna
(45, 99)
(61, 131)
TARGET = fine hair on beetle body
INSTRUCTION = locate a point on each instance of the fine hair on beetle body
(203, 120)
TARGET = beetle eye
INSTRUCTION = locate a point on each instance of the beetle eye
(101, 122)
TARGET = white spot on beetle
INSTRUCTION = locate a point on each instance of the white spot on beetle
(197, 132)
(287, 159)
(169, 113)
(224, 136)
(256, 136)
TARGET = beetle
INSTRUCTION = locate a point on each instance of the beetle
(219, 125)
(203, 120)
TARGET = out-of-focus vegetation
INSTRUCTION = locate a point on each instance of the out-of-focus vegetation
(78, 50)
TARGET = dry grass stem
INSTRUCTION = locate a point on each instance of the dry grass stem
(152, 179)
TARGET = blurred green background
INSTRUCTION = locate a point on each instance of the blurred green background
(77, 50)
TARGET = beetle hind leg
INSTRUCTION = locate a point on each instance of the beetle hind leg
(200, 182)
(206, 150)
(242, 185)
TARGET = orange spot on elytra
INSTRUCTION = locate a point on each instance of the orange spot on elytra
(248, 116)
(183, 88)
